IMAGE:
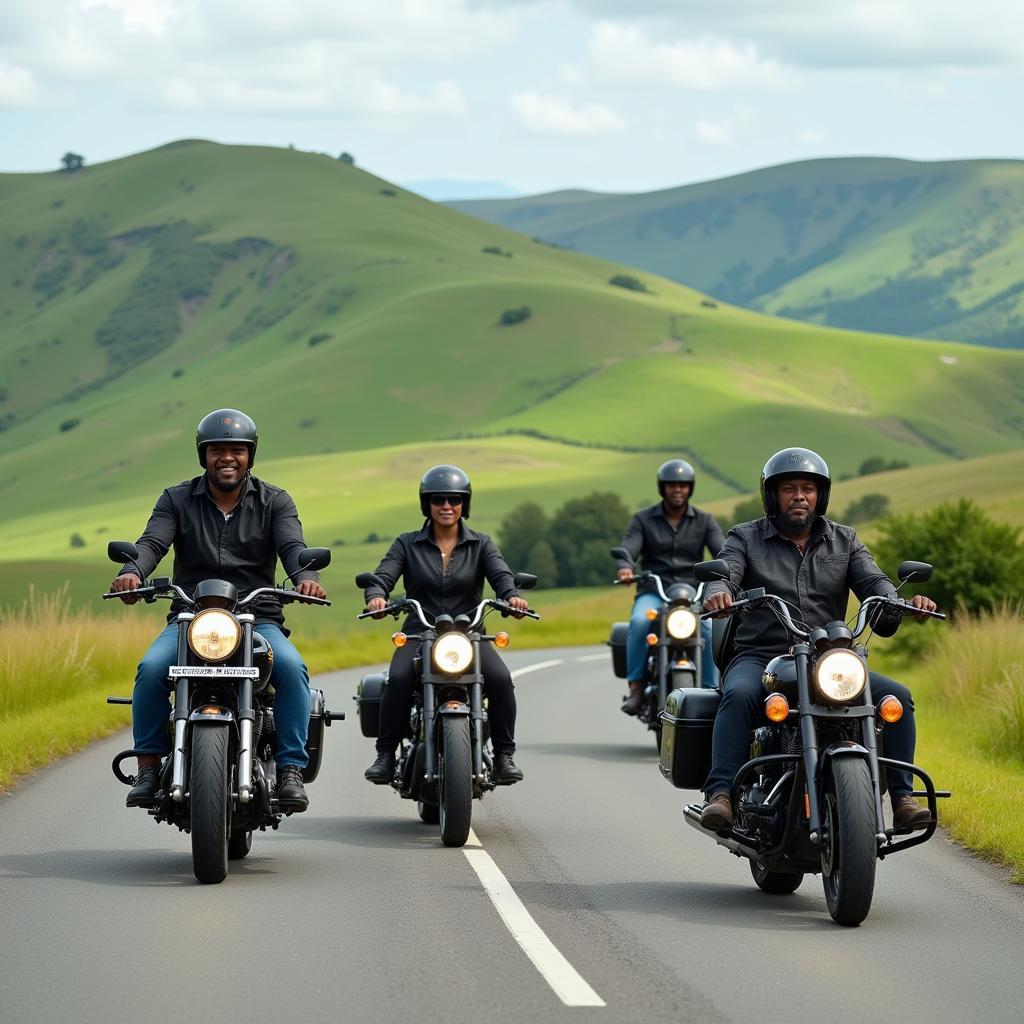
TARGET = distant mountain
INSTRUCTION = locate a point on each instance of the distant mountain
(445, 189)
(928, 249)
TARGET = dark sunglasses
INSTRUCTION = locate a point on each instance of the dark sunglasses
(455, 500)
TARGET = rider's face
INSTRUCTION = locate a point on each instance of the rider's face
(446, 514)
(226, 464)
(798, 498)
(676, 494)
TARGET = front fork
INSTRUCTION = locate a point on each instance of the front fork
(179, 753)
(246, 715)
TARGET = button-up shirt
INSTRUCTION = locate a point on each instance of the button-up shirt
(815, 583)
(452, 589)
(671, 551)
(242, 547)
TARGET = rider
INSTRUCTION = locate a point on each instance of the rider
(444, 564)
(670, 538)
(812, 563)
(231, 525)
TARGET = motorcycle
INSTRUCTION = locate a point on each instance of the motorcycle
(809, 799)
(674, 645)
(444, 762)
(218, 783)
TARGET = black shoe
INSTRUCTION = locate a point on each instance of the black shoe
(381, 772)
(634, 702)
(505, 771)
(291, 794)
(143, 793)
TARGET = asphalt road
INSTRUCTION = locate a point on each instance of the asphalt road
(355, 912)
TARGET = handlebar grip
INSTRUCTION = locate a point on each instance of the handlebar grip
(138, 592)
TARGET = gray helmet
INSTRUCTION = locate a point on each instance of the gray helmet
(676, 471)
(794, 462)
(445, 480)
(226, 425)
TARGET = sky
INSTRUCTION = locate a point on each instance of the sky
(536, 94)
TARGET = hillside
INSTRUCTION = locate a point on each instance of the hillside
(360, 325)
(934, 250)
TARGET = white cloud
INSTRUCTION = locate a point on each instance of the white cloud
(935, 89)
(810, 137)
(725, 131)
(18, 87)
(625, 53)
(552, 115)
(145, 17)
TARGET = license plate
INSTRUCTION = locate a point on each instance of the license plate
(214, 670)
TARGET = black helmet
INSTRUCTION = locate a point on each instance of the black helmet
(226, 425)
(445, 480)
(791, 462)
(676, 471)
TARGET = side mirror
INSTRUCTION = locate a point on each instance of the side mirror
(369, 579)
(918, 571)
(622, 554)
(713, 571)
(524, 581)
(315, 558)
(122, 552)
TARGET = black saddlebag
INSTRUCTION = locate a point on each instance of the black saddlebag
(686, 725)
(368, 696)
(617, 642)
(315, 736)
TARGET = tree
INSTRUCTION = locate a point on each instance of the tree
(866, 508)
(72, 161)
(582, 531)
(979, 563)
(347, 158)
(541, 562)
(515, 316)
(519, 533)
(747, 510)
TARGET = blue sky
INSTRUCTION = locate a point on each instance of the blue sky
(540, 94)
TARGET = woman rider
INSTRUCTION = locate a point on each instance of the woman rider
(444, 564)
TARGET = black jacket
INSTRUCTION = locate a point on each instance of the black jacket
(671, 552)
(816, 584)
(242, 549)
(416, 557)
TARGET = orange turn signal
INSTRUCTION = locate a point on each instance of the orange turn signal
(399, 639)
(776, 707)
(652, 639)
(502, 639)
(890, 710)
(652, 614)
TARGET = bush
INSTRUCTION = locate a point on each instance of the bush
(746, 511)
(876, 464)
(347, 158)
(515, 316)
(979, 563)
(866, 508)
(319, 339)
(633, 284)
(69, 425)
(77, 540)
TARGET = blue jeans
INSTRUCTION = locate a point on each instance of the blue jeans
(636, 643)
(742, 704)
(151, 701)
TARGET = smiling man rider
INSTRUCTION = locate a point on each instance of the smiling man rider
(813, 564)
(225, 524)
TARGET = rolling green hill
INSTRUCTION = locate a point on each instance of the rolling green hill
(896, 246)
(360, 325)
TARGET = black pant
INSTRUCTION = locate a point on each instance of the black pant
(742, 702)
(501, 699)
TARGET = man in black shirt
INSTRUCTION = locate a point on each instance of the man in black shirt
(668, 538)
(225, 524)
(813, 564)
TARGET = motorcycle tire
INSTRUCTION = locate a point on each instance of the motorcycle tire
(455, 786)
(430, 814)
(239, 844)
(849, 851)
(779, 883)
(210, 803)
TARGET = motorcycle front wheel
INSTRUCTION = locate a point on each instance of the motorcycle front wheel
(455, 785)
(210, 802)
(848, 847)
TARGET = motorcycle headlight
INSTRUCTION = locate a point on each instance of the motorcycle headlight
(452, 653)
(840, 676)
(681, 623)
(214, 634)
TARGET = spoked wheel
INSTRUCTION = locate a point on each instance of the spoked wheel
(776, 882)
(240, 844)
(429, 813)
(210, 803)
(848, 845)
(455, 786)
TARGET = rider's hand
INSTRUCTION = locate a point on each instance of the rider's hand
(519, 604)
(310, 588)
(717, 603)
(376, 604)
(124, 584)
(625, 576)
(926, 604)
